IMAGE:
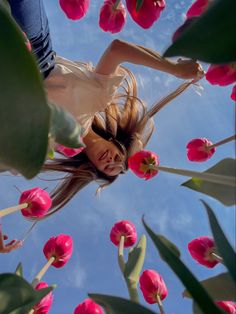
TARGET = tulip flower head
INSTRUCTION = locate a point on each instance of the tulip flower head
(60, 247)
(199, 149)
(38, 200)
(227, 306)
(123, 228)
(45, 304)
(74, 9)
(67, 151)
(149, 12)
(221, 75)
(152, 286)
(112, 18)
(88, 307)
(141, 164)
(233, 94)
(201, 250)
(197, 8)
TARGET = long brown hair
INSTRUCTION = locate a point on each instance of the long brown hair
(125, 120)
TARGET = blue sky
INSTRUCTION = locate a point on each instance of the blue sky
(170, 209)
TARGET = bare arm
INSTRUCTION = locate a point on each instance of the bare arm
(121, 51)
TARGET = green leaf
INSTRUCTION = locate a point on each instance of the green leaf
(220, 287)
(198, 292)
(211, 38)
(24, 113)
(139, 4)
(223, 246)
(135, 261)
(224, 194)
(116, 305)
(17, 295)
(64, 128)
(19, 270)
(196, 309)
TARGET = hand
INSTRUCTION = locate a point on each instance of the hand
(11, 246)
(189, 69)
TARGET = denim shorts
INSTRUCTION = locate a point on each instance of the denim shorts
(30, 15)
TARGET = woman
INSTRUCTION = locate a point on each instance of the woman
(102, 99)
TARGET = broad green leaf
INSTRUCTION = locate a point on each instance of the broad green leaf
(220, 287)
(64, 128)
(211, 38)
(17, 295)
(135, 261)
(196, 309)
(116, 305)
(139, 4)
(223, 246)
(198, 292)
(24, 113)
(172, 247)
(19, 270)
(224, 194)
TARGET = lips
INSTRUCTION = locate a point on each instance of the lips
(104, 155)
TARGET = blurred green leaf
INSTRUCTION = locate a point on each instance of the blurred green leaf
(116, 305)
(64, 128)
(17, 295)
(196, 309)
(19, 270)
(224, 194)
(211, 38)
(198, 292)
(139, 4)
(24, 113)
(220, 287)
(136, 257)
(223, 246)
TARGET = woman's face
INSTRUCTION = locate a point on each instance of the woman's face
(106, 157)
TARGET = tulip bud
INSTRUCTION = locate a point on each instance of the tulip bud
(141, 164)
(123, 228)
(152, 286)
(227, 306)
(61, 248)
(221, 75)
(45, 304)
(88, 307)
(74, 9)
(67, 151)
(199, 149)
(149, 12)
(233, 94)
(197, 8)
(112, 19)
(202, 250)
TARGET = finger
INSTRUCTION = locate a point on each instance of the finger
(11, 242)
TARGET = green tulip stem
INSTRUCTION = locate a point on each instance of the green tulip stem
(133, 291)
(210, 177)
(40, 274)
(217, 257)
(116, 4)
(10, 210)
(121, 261)
(159, 303)
(226, 140)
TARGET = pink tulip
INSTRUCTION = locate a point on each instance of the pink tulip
(88, 307)
(140, 164)
(67, 151)
(198, 149)
(152, 285)
(149, 12)
(45, 304)
(221, 75)
(38, 200)
(74, 9)
(123, 228)
(112, 19)
(201, 250)
(227, 306)
(61, 248)
(182, 28)
(233, 94)
(197, 8)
